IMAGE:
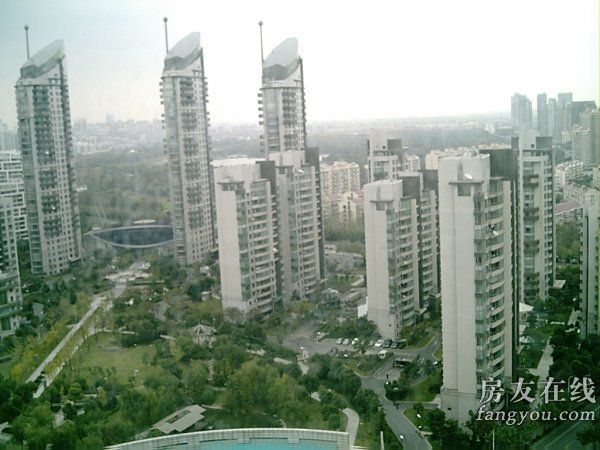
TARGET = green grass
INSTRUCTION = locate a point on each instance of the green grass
(420, 391)
(438, 353)
(5, 368)
(104, 351)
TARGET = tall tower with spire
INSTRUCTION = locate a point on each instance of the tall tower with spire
(298, 180)
(45, 141)
(187, 144)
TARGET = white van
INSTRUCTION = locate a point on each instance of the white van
(382, 354)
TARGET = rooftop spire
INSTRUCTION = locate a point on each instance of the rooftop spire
(165, 19)
(262, 58)
(27, 39)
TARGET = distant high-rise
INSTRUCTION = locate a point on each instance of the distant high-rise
(10, 284)
(8, 138)
(536, 245)
(385, 156)
(246, 204)
(45, 141)
(391, 244)
(564, 99)
(590, 120)
(187, 144)
(542, 115)
(281, 100)
(576, 109)
(581, 146)
(476, 274)
(520, 111)
(12, 185)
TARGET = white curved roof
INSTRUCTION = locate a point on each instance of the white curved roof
(44, 59)
(284, 54)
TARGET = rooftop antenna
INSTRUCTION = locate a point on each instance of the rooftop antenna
(262, 58)
(165, 19)
(27, 39)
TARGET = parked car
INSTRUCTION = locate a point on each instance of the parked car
(346, 341)
(401, 343)
(355, 341)
(339, 341)
(394, 345)
(379, 343)
(387, 343)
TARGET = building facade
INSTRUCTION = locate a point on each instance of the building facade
(567, 171)
(385, 156)
(590, 120)
(45, 141)
(10, 283)
(12, 185)
(339, 177)
(581, 147)
(391, 244)
(300, 224)
(590, 271)
(246, 204)
(536, 227)
(432, 158)
(476, 274)
(542, 115)
(282, 110)
(187, 144)
(413, 163)
(520, 112)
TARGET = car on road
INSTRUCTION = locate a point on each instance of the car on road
(379, 343)
(387, 343)
(394, 345)
(339, 341)
(346, 341)
(401, 343)
(355, 341)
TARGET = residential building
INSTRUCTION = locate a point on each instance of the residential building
(350, 208)
(581, 147)
(520, 112)
(590, 120)
(187, 145)
(10, 283)
(282, 110)
(583, 195)
(44, 121)
(300, 223)
(542, 115)
(8, 138)
(413, 163)
(476, 274)
(432, 158)
(391, 243)
(12, 185)
(590, 271)
(339, 177)
(298, 180)
(567, 171)
(535, 203)
(422, 186)
(576, 109)
(246, 204)
(385, 156)
(568, 212)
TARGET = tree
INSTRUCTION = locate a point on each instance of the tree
(591, 434)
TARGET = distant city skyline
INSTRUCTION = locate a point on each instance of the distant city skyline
(394, 60)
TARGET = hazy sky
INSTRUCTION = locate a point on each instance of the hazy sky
(362, 59)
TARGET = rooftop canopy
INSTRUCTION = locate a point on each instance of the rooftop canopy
(44, 60)
(282, 61)
(185, 52)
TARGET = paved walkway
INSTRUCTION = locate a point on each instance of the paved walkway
(98, 301)
(351, 424)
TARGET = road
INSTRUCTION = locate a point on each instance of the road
(564, 437)
(398, 422)
(395, 417)
(351, 424)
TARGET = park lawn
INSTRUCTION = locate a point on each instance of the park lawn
(5, 368)
(423, 340)
(438, 353)
(105, 351)
(412, 416)
(420, 391)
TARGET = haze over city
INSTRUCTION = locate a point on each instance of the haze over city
(400, 59)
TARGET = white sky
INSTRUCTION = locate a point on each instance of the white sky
(362, 60)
